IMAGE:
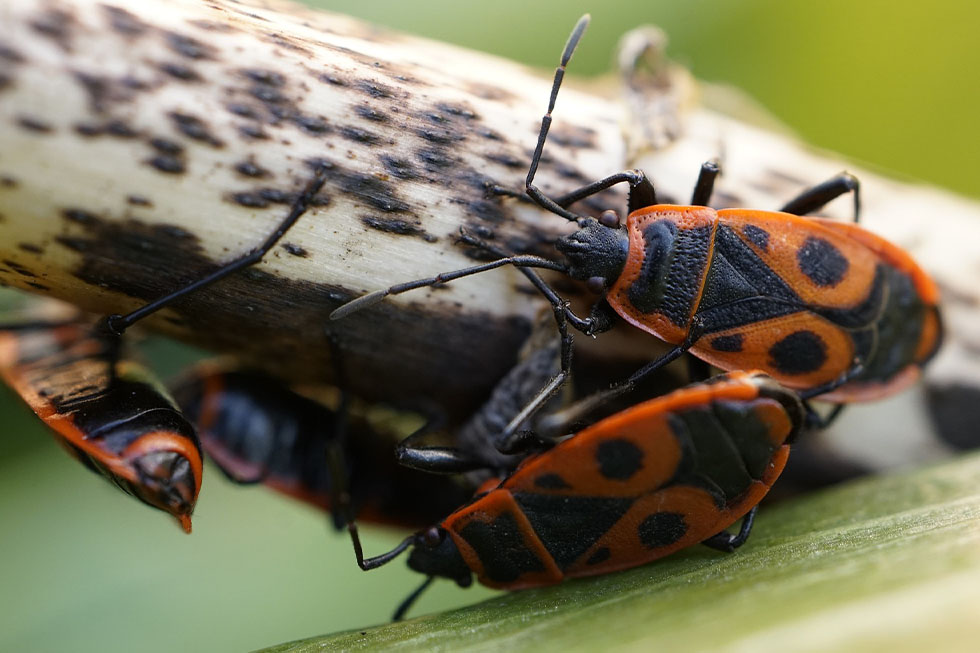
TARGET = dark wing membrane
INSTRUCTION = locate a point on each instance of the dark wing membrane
(259, 431)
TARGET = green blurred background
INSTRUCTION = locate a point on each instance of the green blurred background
(891, 84)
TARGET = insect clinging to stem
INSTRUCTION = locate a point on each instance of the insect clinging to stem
(826, 308)
(655, 478)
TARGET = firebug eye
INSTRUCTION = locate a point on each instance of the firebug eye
(432, 537)
(609, 218)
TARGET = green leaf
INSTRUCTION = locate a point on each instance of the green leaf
(888, 563)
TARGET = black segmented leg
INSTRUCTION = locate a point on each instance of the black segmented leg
(815, 420)
(556, 423)
(342, 511)
(642, 193)
(585, 325)
(813, 199)
(832, 385)
(521, 262)
(510, 440)
(705, 185)
(435, 460)
(496, 190)
(727, 542)
(697, 369)
(340, 493)
(117, 324)
(367, 564)
(564, 316)
(339, 487)
(411, 598)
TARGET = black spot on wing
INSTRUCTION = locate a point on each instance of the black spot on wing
(618, 459)
(551, 482)
(601, 555)
(757, 236)
(822, 262)
(731, 343)
(662, 529)
(801, 352)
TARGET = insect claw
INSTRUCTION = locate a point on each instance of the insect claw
(109, 325)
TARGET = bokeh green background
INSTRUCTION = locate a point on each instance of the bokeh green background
(891, 84)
